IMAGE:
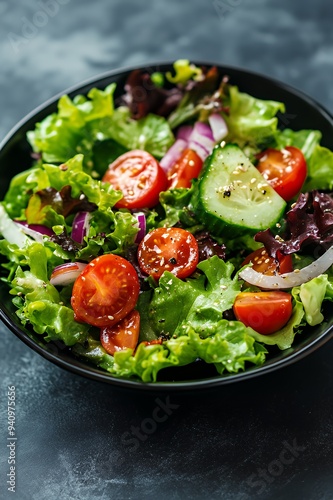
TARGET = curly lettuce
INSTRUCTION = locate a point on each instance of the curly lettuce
(82, 123)
(38, 302)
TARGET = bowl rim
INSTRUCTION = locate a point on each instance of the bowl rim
(187, 385)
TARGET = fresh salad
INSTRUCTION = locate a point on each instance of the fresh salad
(167, 222)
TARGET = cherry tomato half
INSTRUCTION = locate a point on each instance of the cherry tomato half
(168, 249)
(263, 263)
(265, 312)
(140, 178)
(186, 168)
(106, 291)
(285, 170)
(123, 335)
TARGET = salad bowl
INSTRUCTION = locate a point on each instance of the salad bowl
(302, 112)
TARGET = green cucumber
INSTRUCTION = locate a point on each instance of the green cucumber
(233, 197)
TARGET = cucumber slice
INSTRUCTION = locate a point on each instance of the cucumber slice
(233, 196)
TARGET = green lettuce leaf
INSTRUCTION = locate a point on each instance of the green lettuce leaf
(73, 128)
(305, 140)
(20, 189)
(97, 104)
(151, 133)
(105, 153)
(98, 192)
(229, 349)
(251, 121)
(196, 303)
(109, 230)
(93, 352)
(173, 208)
(83, 122)
(39, 302)
(184, 71)
(312, 295)
(320, 170)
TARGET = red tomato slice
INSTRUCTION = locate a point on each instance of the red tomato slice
(285, 170)
(263, 263)
(106, 291)
(168, 249)
(186, 168)
(140, 178)
(123, 335)
(265, 312)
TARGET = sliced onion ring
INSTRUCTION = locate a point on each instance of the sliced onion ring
(65, 274)
(289, 280)
(141, 218)
(36, 231)
(218, 126)
(200, 149)
(201, 140)
(172, 155)
(201, 129)
(80, 226)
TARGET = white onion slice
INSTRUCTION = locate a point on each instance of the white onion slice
(141, 218)
(173, 153)
(218, 126)
(11, 231)
(65, 274)
(289, 280)
(80, 226)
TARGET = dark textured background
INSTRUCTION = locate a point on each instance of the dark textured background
(74, 434)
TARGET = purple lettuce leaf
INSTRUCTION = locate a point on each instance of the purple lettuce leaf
(308, 223)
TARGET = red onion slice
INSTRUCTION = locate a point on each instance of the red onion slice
(80, 226)
(141, 218)
(201, 140)
(201, 129)
(218, 126)
(289, 280)
(173, 153)
(185, 132)
(65, 274)
(36, 231)
(200, 149)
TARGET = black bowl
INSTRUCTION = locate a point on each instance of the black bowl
(15, 155)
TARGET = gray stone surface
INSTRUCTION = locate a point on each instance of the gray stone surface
(74, 434)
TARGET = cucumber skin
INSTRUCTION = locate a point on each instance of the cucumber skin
(214, 224)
